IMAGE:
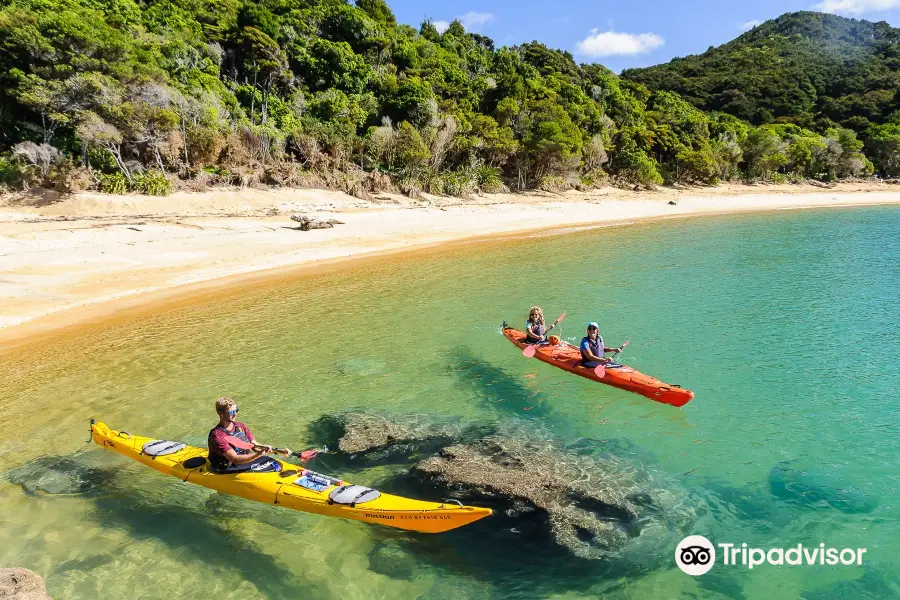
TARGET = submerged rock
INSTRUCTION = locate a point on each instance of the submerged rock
(595, 507)
(59, 475)
(457, 590)
(390, 559)
(589, 499)
(363, 367)
(378, 438)
(814, 489)
(22, 584)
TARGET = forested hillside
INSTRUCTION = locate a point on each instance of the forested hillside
(814, 70)
(124, 96)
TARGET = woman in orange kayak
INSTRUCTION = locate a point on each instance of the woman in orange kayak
(535, 331)
(592, 349)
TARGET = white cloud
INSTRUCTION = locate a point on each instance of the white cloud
(474, 20)
(441, 26)
(612, 43)
(748, 25)
(856, 7)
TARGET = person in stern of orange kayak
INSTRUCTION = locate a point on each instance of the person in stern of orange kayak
(592, 349)
(535, 331)
(225, 456)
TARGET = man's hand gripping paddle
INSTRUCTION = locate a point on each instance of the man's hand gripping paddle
(600, 370)
(304, 456)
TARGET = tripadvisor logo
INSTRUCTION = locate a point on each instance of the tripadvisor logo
(696, 555)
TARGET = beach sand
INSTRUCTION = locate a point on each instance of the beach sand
(90, 255)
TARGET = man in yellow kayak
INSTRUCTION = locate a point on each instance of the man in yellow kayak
(592, 349)
(225, 448)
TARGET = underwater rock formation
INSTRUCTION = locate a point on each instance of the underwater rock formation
(362, 367)
(594, 506)
(378, 438)
(814, 489)
(59, 475)
(589, 498)
(390, 559)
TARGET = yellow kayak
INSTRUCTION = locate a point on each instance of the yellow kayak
(290, 486)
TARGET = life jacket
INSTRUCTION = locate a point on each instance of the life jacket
(219, 462)
(595, 346)
(537, 329)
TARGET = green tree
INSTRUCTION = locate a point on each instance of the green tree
(411, 150)
(884, 144)
(378, 10)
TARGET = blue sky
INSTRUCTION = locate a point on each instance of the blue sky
(619, 34)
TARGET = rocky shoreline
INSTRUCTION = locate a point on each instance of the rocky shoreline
(18, 583)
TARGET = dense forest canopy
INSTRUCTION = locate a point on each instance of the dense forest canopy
(146, 96)
(811, 69)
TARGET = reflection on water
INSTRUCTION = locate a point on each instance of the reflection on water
(790, 439)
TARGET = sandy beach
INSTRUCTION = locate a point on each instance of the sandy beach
(89, 255)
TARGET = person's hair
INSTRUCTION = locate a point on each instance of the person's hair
(224, 404)
(536, 315)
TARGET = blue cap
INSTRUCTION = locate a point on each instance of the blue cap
(594, 325)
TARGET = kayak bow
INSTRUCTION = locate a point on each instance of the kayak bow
(290, 486)
(567, 357)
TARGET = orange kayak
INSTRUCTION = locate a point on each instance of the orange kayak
(568, 357)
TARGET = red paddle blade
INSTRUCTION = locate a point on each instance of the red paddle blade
(529, 351)
(308, 455)
(600, 371)
(561, 317)
(239, 443)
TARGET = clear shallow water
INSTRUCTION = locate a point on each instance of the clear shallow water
(786, 326)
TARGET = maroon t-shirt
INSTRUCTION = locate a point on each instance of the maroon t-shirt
(219, 445)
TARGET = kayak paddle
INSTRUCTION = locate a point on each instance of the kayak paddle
(530, 350)
(304, 456)
(600, 370)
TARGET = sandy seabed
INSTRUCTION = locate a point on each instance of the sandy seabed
(90, 255)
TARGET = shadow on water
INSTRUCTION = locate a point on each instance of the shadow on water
(811, 488)
(194, 537)
(873, 585)
(501, 391)
(83, 564)
(507, 395)
(750, 504)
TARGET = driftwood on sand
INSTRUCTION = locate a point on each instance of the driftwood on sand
(307, 222)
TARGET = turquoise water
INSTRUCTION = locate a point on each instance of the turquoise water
(785, 325)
